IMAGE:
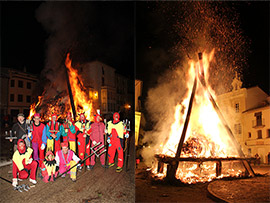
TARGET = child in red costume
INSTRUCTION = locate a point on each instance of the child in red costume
(115, 140)
(83, 131)
(23, 163)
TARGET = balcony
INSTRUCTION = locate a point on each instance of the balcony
(258, 123)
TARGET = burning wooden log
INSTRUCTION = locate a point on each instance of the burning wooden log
(70, 92)
(229, 131)
(169, 160)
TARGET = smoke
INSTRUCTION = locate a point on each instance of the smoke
(89, 31)
(64, 23)
(161, 103)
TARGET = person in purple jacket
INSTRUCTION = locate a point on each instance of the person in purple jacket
(96, 136)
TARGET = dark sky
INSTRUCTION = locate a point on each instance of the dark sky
(23, 39)
(110, 30)
(154, 39)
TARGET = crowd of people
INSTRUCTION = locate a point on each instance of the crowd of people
(63, 148)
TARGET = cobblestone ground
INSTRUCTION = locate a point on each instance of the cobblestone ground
(255, 189)
(98, 185)
(237, 190)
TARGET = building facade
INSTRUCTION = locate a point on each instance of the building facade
(112, 91)
(247, 111)
(16, 92)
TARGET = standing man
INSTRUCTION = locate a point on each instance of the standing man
(66, 159)
(116, 131)
(97, 135)
(82, 127)
(23, 163)
(20, 131)
(70, 132)
(54, 130)
(38, 130)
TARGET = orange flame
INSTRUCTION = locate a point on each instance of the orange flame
(205, 136)
(33, 108)
(81, 99)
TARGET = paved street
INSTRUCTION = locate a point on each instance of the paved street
(98, 185)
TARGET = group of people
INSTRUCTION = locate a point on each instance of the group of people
(57, 147)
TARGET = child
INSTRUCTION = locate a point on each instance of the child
(48, 168)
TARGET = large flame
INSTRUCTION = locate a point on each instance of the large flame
(60, 104)
(205, 136)
(81, 99)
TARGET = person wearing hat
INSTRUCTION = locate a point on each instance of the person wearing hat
(36, 138)
(48, 168)
(54, 130)
(66, 159)
(82, 127)
(19, 130)
(115, 140)
(23, 164)
(97, 135)
(70, 132)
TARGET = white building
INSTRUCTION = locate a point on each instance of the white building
(110, 90)
(247, 111)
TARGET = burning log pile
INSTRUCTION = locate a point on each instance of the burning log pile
(201, 154)
(74, 98)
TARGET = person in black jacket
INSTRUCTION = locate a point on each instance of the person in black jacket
(19, 130)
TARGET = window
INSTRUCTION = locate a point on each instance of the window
(28, 85)
(237, 128)
(20, 97)
(259, 132)
(11, 98)
(237, 108)
(258, 118)
(268, 133)
(28, 99)
(20, 83)
(249, 134)
(12, 83)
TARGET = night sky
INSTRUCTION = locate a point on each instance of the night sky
(109, 34)
(155, 38)
(23, 39)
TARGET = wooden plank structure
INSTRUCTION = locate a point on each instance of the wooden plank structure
(173, 162)
(163, 159)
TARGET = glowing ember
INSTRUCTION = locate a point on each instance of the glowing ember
(206, 136)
